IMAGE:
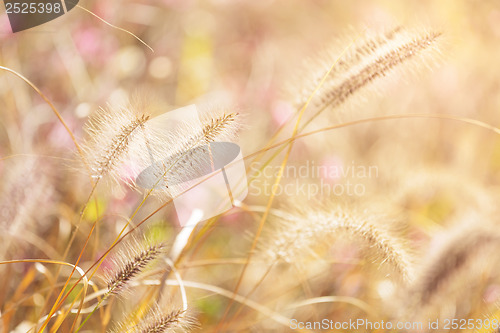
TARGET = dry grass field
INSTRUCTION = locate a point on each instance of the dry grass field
(369, 132)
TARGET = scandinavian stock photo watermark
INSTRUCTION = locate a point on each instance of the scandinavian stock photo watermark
(311, 179)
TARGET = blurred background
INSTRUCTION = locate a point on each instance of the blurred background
(250, 54)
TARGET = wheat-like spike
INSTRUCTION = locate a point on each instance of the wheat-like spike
(378, 67)
(366, 48)
(133, 266)
(389, 248)
(363, 64)
(223, 126)
(217, 126)
(119, 144)
(305, 231)
(454, 256)
(163, 322)
(352, 57)
(21, 190)
(186, 163)
(113, 138)
(24, 188)
(158, 320)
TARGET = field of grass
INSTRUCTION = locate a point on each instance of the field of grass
(369, 132)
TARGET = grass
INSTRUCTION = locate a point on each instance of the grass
(87, 249)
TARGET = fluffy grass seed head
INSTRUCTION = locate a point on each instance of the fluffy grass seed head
(25, 188)
(370, 58)
(159, 320)
(124, 141)
(462, 249)
(190, 154)
(117, 136)
(130, 262)
(303, 232)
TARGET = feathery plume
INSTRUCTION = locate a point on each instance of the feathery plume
(215, 129)
(158, 320)
(131, 262)
(115, 135)
(302, 233)
(316, 67)
(191, 157)
(125, 141)
(379, 67)
(456, 254)
(119, 143)
(24, 187)
(375, 57)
